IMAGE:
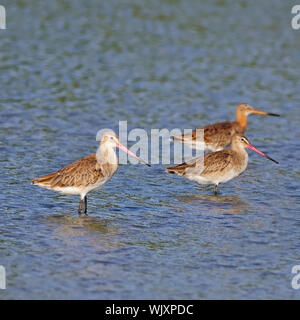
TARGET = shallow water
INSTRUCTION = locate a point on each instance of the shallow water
(67, 71)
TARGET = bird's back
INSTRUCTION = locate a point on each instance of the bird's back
(217, 136)
(83, 172)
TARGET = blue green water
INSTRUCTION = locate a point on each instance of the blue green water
(70, 68)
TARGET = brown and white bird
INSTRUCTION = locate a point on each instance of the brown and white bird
(87, 174)
(217, 136)
(220, 166)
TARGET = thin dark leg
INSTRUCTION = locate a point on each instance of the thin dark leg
(80, 207)
(85, 205)
(216, 189)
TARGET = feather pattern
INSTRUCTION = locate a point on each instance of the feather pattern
(83, 172)
(216, 136)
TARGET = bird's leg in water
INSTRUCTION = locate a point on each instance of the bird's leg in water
(80, 206)
(216, 189)
(85, 205)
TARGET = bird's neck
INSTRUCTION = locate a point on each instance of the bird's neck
(107, 159)
(240, 151)
(242, 120)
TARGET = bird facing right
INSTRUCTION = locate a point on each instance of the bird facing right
(218, 167)
(218, 136)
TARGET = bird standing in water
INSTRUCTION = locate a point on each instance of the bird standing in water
(217, 136)
(87, 174)
(218, 167)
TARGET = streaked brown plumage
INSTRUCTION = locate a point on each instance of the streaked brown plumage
(220, 166)
(217, 136)
(87, 174)
(85, 171)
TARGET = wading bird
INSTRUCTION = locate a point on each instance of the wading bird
(220, 166)
(217, 136)
(87, 174)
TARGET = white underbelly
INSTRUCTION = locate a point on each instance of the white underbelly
(202, 146)
(81, 190)
(227, 176)
(199, 179)
(68, 190)
(216, 180)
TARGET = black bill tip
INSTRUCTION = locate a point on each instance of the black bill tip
(273, 114)
(272, 159)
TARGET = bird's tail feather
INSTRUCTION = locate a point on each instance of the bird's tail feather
(44, 180)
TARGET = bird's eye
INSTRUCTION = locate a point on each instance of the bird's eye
(111, 138)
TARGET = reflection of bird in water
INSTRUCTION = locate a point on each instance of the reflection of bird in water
(81, 223)
(87, 174)
(217, 136)
(92, 229)
(220, 166)
(231, 204)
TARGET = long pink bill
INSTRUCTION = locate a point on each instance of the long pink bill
(250, 146)
(123, 148)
